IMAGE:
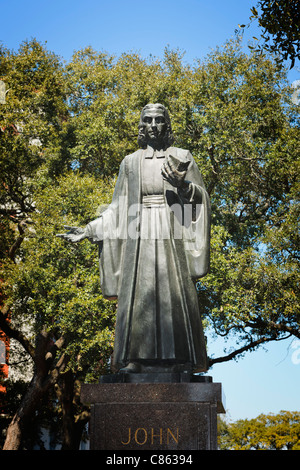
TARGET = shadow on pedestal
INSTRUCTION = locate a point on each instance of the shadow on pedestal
(155, 377)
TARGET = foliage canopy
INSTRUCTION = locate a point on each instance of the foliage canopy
(280, 23)
(266, 432)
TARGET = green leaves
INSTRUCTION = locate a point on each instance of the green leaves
(280, 23)
(31, 121)
(58, 282)
(266, 432)
(254, 11)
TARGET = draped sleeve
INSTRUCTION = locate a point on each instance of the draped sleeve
(110, 231)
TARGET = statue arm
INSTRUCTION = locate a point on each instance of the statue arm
(92, 231)
(190, 193)
(189, 184)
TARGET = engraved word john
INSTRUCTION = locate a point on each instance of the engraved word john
(141, 436)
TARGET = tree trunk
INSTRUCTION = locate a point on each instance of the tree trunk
(43, 379)
(23, 415)
(75, 415)
(13, 435)
(67, 392)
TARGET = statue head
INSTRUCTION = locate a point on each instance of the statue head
(155, 127)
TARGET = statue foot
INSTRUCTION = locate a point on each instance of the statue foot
(151, 367)
(132, 367)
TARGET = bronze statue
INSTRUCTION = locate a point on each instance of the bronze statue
(155, 242)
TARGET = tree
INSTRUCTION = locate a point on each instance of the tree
(55, 288)
(251, 159)
(234, 112)
(280, 21)
(31, 141)
(266, 432)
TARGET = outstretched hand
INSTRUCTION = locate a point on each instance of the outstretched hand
(74, 234)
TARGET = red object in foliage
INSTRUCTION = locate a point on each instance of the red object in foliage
(4, 355)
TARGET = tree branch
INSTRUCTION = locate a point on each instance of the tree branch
(12, 251)
(11, 332)
(251, 345)
(286, 328)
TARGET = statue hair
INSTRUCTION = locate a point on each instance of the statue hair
(168, 137)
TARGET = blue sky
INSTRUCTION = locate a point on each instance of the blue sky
(263, 381)
(116, 26)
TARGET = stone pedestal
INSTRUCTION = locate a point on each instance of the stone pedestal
(153, 416)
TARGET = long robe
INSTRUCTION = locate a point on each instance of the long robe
(155, 244)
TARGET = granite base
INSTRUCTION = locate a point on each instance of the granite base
(154, 416)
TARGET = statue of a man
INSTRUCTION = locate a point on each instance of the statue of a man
(155, 242)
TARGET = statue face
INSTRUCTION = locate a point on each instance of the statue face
(155, 125)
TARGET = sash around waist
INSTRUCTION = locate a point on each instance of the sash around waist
(153, 200)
